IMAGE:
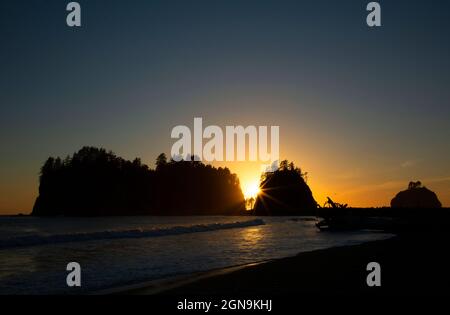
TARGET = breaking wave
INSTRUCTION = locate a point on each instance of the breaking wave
(36, 240)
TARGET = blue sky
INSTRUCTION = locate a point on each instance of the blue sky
(363, 110)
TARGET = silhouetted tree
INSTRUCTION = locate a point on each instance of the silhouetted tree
(250, 203)
(414, 185)
(161, 160)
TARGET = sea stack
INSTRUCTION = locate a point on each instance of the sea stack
(416, 196)
(285, 192)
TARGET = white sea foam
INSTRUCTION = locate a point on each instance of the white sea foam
(36, 240)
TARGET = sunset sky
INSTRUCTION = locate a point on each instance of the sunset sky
(363, 111)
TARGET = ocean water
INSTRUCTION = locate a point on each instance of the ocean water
(112, 252)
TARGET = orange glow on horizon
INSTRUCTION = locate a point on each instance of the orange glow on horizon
(249, 174)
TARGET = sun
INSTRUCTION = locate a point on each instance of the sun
(251, 190)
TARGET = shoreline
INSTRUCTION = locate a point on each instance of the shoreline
(159, 286)
(179, 282)
(410, 265)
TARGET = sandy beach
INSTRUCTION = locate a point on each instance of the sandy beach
(409, 266)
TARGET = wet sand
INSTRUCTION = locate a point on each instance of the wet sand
(409, 265)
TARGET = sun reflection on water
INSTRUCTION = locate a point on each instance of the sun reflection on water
(251, 236)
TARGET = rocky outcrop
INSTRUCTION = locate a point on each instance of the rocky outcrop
(285, 193)
(416, 196)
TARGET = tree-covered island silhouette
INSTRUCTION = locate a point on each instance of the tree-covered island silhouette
(96, 182)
